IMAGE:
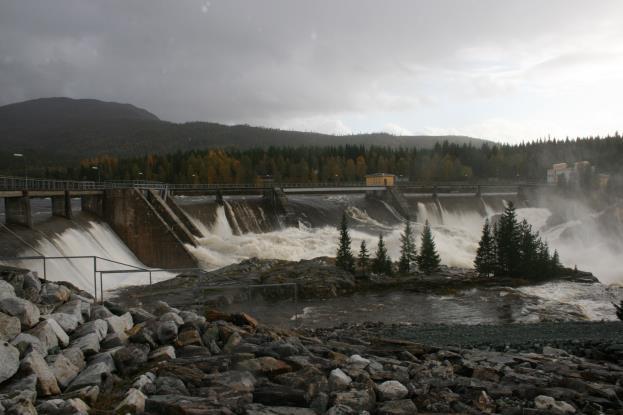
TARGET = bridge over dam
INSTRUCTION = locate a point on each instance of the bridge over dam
(149, 220)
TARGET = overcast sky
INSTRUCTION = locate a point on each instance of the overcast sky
(503, 70)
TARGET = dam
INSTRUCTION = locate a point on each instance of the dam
(207, 226)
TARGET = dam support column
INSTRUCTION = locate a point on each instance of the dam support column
(93, 204)
(61, 206)
(278, 200)
(17, 210)
(141, 226)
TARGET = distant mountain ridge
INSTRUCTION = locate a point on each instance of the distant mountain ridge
(67, 129)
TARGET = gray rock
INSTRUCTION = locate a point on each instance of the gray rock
(166, 331)
(26, 342)
(88, 394)
(89, 344)
(22, 407)
(140, 316)
(75, 356)
(46, 381)
(50, 334)
(162, 353)
(31, 281)
(259, 409)
(9, 361)
(133, 403)
(143, 381)
(547, 403)
(63, 369)
(192, 318)
(100, 312)
(399, 407)
(98, 326)
(239, 381)
(234, 340)
(168, 385)
(162, 307)
(94, 375)
(128, 359)
(54, 293)
(10, 327)
(120, 324)
(112, 340)
(73, 308)
(6, 290)
(68, 322)
(338, 380)
(171, 316)
(358, 400)
(74, 406)
(26, 311)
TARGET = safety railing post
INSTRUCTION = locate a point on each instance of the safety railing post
(149, 277)
(45, 274)
(95, 278)
(101, 289)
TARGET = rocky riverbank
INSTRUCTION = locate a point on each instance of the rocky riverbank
(62, 353)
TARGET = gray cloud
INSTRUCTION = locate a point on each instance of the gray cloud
(278, 62)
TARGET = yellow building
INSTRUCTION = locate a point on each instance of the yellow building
(380, 179)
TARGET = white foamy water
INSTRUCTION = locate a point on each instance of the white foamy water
(91, 239)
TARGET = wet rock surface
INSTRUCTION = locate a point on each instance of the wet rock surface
(168, 360)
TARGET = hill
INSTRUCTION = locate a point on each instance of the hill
(67, 129)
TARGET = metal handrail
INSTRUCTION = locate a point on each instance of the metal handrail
(96, 270)
(21, 183)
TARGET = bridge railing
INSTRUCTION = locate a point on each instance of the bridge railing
(9, 183)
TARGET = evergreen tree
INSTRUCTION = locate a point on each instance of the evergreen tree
(344, 258)
(528, 243)
(507, 242)
(428, 260)
(364, 257)
(408, 252)
(485, 256)
(382, 263)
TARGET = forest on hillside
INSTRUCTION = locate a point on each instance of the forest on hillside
(525, 162)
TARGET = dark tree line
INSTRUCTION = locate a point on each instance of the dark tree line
(525, 161)
(512, 249)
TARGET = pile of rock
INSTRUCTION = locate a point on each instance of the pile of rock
(61, 353)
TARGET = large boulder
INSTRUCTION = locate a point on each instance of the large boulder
(26, 342)
(10, 327)
(64, 370)
(27, 312)
(119, 325)
(128, 359)
(54, 293)
(166, 331)
(50, 334)
(140, 316)
(338, 380)
(96, 374)
(6, 290)
(68, 322)
(89, 344)
(74, 406)
(72, 307)
(264, 366)
(133, 403)
(9, 361)
(392, 390)
(98, 326)
(46, 381)
(75, 356)
(400, 407)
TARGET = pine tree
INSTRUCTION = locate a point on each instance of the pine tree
(382, 263)
(344, 258)
(364, 257)
(408, 252)
(485, 256)
(428, 260)
(507, 242)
